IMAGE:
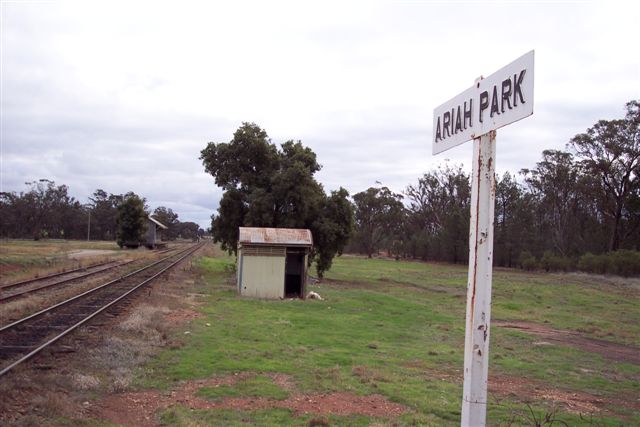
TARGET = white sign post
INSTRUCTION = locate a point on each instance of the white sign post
(502, 98)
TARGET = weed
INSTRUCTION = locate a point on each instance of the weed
(536, 418)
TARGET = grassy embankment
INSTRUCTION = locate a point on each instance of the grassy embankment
(397, 329)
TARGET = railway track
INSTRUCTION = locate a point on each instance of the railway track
(26, 287)
(50, 276)
(24, 338)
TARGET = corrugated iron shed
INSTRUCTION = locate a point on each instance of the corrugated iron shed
(158, 223)
(275, 236)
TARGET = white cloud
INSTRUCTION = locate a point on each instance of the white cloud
(123, 95)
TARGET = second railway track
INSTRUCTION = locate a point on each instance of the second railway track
(24, 338)
(20, 289)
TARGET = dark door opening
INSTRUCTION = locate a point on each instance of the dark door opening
(294, 267)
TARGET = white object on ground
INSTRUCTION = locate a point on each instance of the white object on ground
(314, 295)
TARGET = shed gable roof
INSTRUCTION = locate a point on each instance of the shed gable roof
(156, 222)
(275, 236)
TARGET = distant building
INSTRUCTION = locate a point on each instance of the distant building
(272, 262)
(154, 232)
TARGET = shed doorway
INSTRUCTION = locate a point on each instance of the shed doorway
(294, 273)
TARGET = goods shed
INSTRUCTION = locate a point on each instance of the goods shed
(154, 232)
(272, 262)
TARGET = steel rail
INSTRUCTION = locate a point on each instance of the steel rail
(32, 353)
(60, 282)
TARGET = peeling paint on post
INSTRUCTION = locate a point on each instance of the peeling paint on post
(476, 350)
(502, 98)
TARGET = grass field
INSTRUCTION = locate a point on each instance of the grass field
(26, 258)
(396, 329)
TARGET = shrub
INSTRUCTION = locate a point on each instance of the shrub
(527, 261)
(624, 263)
(591, 263)
(553, 262)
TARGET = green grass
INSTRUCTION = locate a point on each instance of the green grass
(258, 386)
(397, 329)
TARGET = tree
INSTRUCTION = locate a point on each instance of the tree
(514, 217)
(554, 185)
(267, 187)
(378, 216)
(46, 210)
(104, 213)
(132, 221)
(167, 217)
(188, 230)
(439, 214)
(333, 227)
(610, 150)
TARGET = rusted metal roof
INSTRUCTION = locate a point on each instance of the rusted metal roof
(275, 236)
(156, 222)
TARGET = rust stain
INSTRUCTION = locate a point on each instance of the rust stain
(275, 236)
(474, 279)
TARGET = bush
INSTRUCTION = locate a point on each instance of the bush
(624, 263)
(553, 262)
(591, 263)
(527, 261)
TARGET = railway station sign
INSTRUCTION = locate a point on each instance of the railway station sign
(504, 97)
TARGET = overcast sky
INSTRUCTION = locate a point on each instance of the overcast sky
(123, 95)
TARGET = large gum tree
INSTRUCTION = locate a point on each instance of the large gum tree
(267, 186)
(610, 151)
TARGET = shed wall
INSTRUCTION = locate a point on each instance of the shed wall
(262, 276)
(151, 233)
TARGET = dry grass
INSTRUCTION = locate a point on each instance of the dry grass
(85, 382)
(133, 341)
(146, 318)
(24, 259)
(54, 398)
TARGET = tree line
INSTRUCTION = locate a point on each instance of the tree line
(583, 201)
(574, 208)
(46, 210)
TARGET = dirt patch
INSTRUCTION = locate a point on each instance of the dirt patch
(139, 408)
(522, 389)
(344, 403)
(607, 349)
(283, 381)
(577, 403)
(574, 402)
